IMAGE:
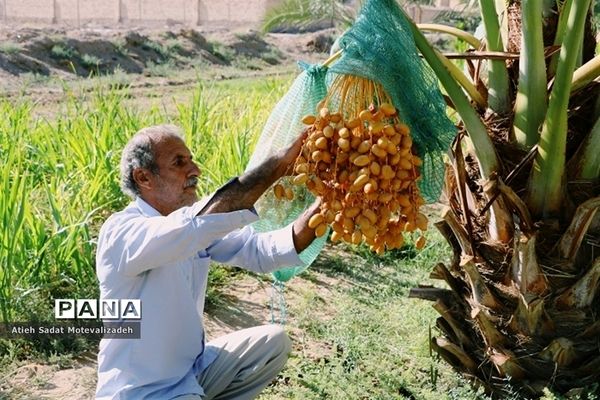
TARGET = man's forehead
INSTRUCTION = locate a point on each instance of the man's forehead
(170, 146)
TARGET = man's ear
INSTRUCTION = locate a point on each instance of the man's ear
(142, 178)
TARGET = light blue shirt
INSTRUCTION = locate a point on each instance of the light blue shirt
(163, 261)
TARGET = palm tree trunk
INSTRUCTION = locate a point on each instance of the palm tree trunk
(523, 314)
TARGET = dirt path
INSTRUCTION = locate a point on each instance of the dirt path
(244, 303)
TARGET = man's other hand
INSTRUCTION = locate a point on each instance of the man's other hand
(302, 234)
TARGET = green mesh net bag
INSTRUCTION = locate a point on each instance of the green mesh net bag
(380, 47)
(283, 127)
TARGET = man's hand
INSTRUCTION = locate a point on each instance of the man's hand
(302, 234)
(287, 157)
(243, 193)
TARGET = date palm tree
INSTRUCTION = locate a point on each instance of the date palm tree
(521, 311)
(301, 14)
(523, 187)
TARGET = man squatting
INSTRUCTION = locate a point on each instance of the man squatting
(158, 250)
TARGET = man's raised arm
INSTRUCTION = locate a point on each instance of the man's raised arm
(242, 193)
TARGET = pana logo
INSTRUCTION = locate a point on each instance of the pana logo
(95, 308)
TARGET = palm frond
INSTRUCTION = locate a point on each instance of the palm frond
(301, 14)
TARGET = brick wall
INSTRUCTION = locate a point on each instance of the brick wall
(189, 12)
(28, 9)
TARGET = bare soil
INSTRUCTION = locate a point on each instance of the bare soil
(36, 53)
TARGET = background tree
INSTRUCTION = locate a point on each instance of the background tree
(298, 15)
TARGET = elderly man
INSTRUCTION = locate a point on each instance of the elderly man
(158, 250)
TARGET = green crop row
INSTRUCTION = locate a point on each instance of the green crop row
(59, 176)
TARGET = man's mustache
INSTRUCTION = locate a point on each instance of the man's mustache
(191, 182)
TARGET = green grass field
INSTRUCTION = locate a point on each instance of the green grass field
(374, 338)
